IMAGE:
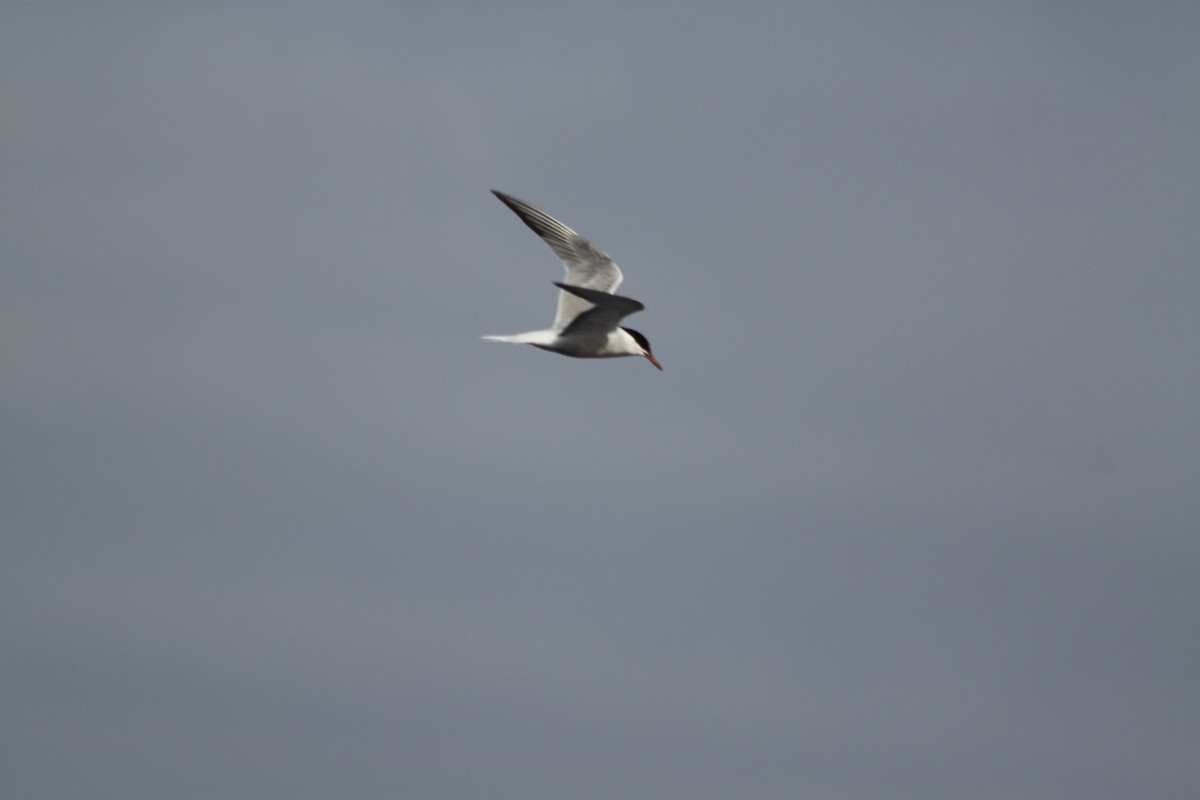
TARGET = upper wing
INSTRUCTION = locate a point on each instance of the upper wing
(586, 264)
(606, 311)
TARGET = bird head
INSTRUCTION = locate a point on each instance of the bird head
(644, 343)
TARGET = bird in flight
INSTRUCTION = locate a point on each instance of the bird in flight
(586, 324)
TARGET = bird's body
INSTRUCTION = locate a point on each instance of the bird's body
(586, 324)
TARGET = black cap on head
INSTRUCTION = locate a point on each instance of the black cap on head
(642, 341)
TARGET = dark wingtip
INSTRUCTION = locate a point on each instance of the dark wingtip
(507, 199)
(537, 221)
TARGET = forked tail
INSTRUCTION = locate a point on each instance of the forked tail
(529, 337)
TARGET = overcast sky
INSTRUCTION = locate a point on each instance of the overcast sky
(912, 512)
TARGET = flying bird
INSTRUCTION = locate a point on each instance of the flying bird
(587, 322)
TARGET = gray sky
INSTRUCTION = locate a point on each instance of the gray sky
(911, 513)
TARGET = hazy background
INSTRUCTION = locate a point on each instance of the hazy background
(913, 511)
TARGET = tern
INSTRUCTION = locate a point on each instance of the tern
(586, 325)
